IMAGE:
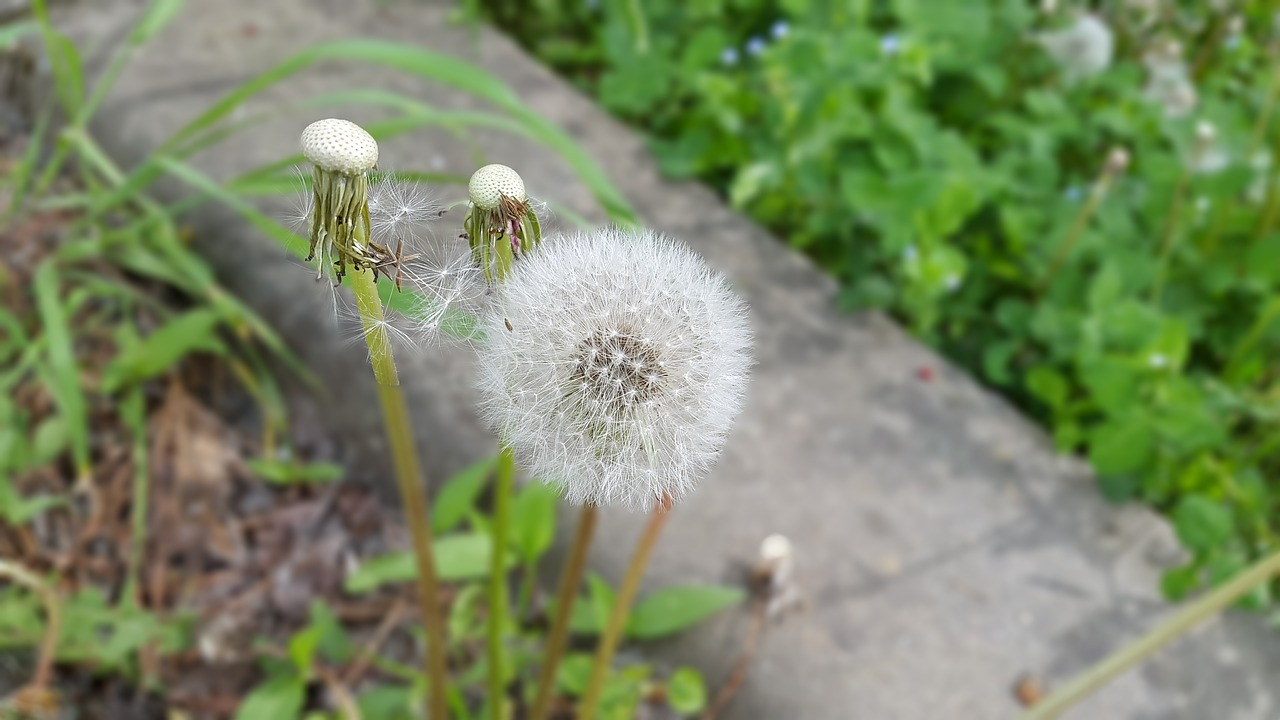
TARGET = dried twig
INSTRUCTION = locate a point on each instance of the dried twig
(739, 673)
(53, 623)
(367, 653)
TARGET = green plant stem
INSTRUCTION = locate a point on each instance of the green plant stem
(587, 710)
(135, 411)
(395, 415)
(1170, 233)
(558, 636)
(498, 579)
(1077, 227)
(1164, 633)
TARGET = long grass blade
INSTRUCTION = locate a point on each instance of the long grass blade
(60, 373)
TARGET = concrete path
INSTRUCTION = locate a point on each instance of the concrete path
(944, 550)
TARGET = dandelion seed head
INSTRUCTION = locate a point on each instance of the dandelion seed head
(339, 146)
(491, 183)
(613, 365)
(1083, 48)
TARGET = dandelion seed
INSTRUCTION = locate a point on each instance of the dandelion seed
(623, 368)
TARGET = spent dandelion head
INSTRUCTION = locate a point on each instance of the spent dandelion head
(500, 222)
(341, 154)
(613, 365)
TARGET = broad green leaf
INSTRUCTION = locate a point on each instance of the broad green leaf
(458, 496)
(686, 691)
(386, 702)
(458, 557)
(193, 331)
(671, 610)
(1049, 386)
(533, 520)
(1121, 446)
(1202, 524)
(278, 698)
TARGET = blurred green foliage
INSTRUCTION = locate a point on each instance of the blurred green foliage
(940, 162)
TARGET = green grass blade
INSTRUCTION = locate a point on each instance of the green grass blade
(433, 66)
(61, 373)
(10, 34)
(158, 14)
(64, 60)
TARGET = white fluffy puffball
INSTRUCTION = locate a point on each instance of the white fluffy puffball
(614, 364)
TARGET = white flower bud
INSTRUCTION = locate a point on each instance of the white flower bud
(491, 183)
(339, 146)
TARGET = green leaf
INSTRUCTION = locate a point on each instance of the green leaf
(686, 691)
(458, 557)
(458, 496)
(278, 698)
(386, 702)
(193, 331)
(573, 674)
(1121, 446)
(1177, 583)
(1049, 386)
(671, 610)
(302, 649)
(1202, 524)
(533, 520)
(61, 374)
(287, 472)
(589, 616)
(159, 14)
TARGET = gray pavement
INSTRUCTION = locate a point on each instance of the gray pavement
(943, 548)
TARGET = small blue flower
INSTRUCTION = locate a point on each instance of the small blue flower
(729, 56)
(890, 44)
(909, 253)
(1073, 193)
(755, 46)
(779, 29)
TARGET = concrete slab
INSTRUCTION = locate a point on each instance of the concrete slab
(944, 549)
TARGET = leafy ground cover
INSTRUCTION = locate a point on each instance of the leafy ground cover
(1077, 202)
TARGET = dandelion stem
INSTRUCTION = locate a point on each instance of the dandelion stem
(1159, 636)
(498, 579)
(395, 415)
(622, 608)
(1081, 220)
(558, 637)
(1170, 233)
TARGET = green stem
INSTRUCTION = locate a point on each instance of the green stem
(1164, 633)
(395, 415)
(1170, 232)
(134, 410)
(558, 637)
(587, 710)
(498, 580)
(1077, 227)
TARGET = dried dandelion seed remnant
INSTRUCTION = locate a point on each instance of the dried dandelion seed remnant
(339, 146)
(342, 154)
(614, 365)
(500, 223)
(491, 183)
